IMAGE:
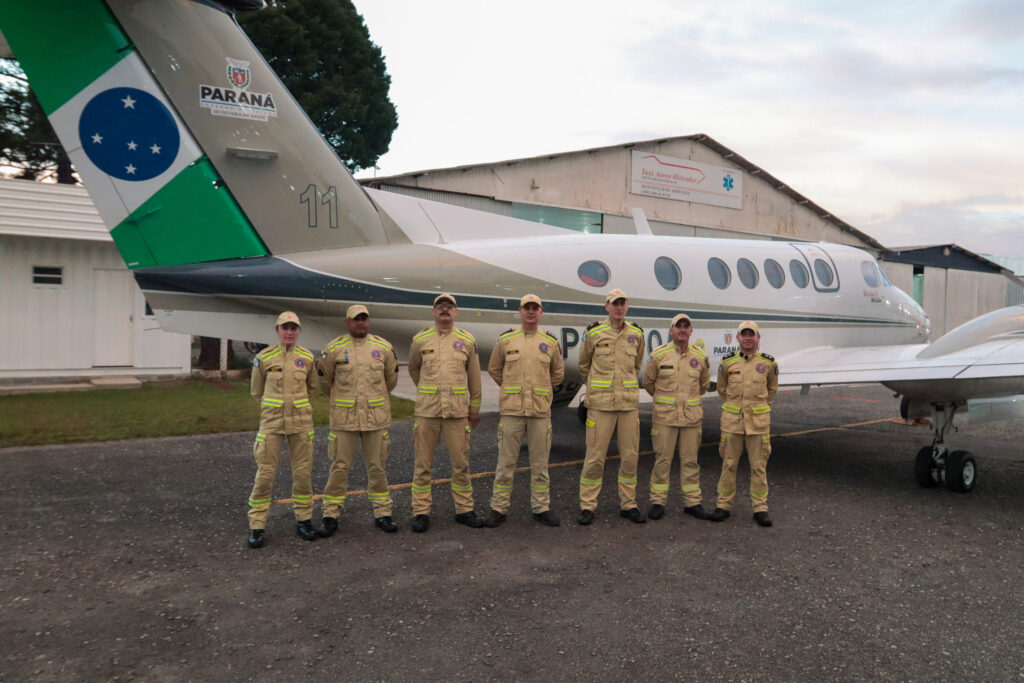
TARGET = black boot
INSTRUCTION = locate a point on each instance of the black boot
(327, 527)
(420, 523)
(634, 515)
(547, 518)
(762, 518)
(306, 531)
(256, 537)
(494, 519)
(719, 515)
(585, 517)
(469, 519)
(386, 524)
(697, 511)
(656, 511)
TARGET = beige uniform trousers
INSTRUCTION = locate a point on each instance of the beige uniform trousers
(341, 448)
(426, 435)
(759, 447)
(267, 450)
(667, 441)
(538, 440)
(601, 425)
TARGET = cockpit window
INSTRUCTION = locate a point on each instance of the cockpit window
(885, 280)
(774, 273)
(593, 273)
(867, 269)
(747, 272)
(719, 272)
(799, 272)
(667, 272)
(824, 272)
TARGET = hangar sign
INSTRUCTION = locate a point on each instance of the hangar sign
(657, 175)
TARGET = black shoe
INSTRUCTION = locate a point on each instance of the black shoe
(256, 537)
(494, 519)
(656, 511)
(386, 524)
(719, 515)
(306, 530)
(634, 515)
(585, 517)
(469, 519)
(762, 518)
(547, 518)
(327, 527)
(697, 511)
(420, 523)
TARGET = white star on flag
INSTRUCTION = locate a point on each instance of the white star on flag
(130, 169)
(155, 149)
(132, 145)
(97, 138)
(129, 103)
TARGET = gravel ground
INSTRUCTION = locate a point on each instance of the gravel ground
(127, 560)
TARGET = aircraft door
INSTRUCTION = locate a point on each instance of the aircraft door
(822, 269)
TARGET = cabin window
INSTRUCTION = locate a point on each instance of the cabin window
(867, 269)
(824, 272)
(667, 272)
(593, 273)
(799, 273)
(774, 273)
(47, 275)
(747, 271)
(719, 272)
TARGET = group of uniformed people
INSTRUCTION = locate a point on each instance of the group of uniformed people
(358, 370)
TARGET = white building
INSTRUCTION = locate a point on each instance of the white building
(68, 305)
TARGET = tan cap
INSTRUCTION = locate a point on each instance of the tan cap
(530, 299)
(680, 316)
(747, 325)
(442, 297)
(615, 294)
(356, 309)
(288, 317)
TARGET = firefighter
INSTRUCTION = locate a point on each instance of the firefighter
(358, 370)
(283, 376)
(527, 365)
(445, 367)
(611, 354)
(747, 382)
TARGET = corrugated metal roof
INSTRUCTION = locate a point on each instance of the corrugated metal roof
(49, 210)
(703, 139)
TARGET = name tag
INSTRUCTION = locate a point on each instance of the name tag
(426, 351)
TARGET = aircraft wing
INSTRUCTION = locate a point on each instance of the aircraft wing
(982, 358)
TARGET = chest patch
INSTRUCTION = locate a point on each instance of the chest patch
(762, 368)
(376, 354)
(458, 345)
(631, 339)
(694, 363)
(300, 363)
(543, 347)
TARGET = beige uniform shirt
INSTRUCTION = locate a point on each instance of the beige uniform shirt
(527, 365)
(283, 380)
(358, 375)
(676, 380)
(747, 385)
(609, 362)
(446, 369)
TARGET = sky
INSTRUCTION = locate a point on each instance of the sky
(903, 118)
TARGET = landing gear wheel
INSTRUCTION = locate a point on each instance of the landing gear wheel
(925, 471)
(961, 472)
(581, 413)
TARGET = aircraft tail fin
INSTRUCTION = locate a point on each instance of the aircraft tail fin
(187, 142)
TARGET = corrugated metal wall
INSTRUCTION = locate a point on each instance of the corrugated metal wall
(50, 210)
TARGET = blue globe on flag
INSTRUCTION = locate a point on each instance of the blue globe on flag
(129, 134)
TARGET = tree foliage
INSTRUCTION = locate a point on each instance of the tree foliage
(322, 51)
(27, 141)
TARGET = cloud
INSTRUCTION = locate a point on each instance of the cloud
(1000, 21)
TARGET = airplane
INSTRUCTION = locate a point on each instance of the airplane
(228, 206)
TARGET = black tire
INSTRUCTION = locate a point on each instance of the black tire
(924, 468)
(581, 413)
(904, 407)
(961, 472)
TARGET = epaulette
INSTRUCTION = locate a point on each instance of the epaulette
(730, 358)
(304, 352)
(766, 356)
(639, 329)
(511, 333)
(663, 349)
(550, 336)
(269, 352)
(382, 343)
(341, 341)
(593, 324)
(511, 329)
(465, 336)
(697, 351)
(424, 333)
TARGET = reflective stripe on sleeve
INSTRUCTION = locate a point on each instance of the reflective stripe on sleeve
(345, 402)
(460, 390)
(426, 390)
(730, 408)
(511, 390)
(693, 401)
(273, 402)
(761, 410)
(301, 403)
(374, 402)
(600, 383)
(667, 400)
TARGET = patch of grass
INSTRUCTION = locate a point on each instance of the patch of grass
(193, 406)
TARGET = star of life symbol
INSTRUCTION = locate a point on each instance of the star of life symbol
(727, 183)
(238, 73)
(129, 134)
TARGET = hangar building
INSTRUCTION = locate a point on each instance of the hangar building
(694, 186)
